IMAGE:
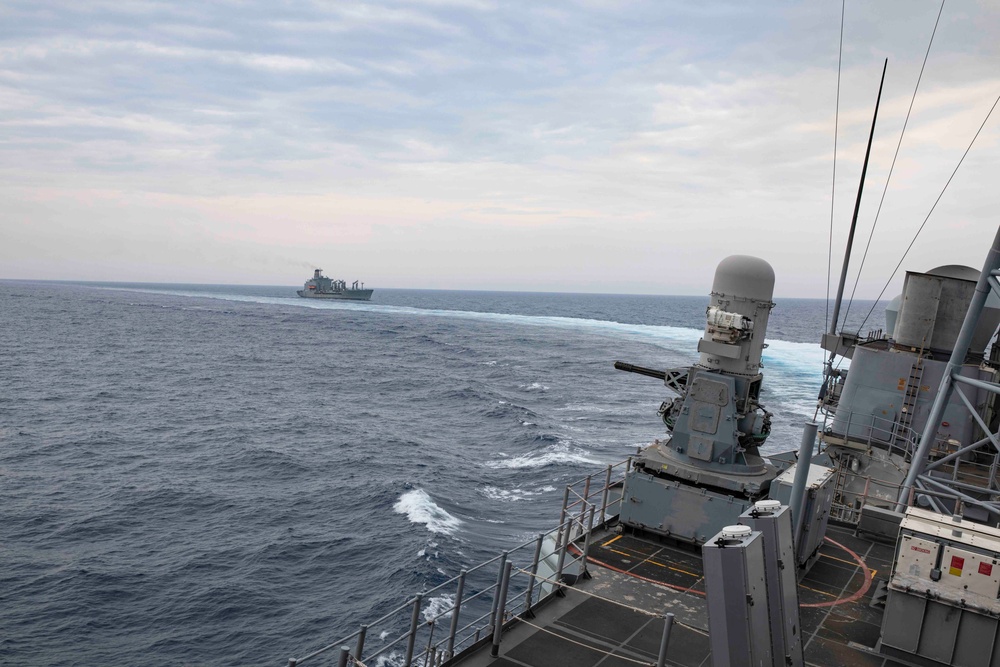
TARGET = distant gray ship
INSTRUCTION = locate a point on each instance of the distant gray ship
(321, 287)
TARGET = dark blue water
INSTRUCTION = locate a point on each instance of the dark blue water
(229, 475)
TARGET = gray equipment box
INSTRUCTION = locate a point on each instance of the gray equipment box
(739, 627)
(817, 499)
(942, 607)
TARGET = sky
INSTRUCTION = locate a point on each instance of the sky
(589, 146)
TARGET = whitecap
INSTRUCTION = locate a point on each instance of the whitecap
(534, 386)
(438, 607)
(419, 508)
(560, 452)
(512, 495)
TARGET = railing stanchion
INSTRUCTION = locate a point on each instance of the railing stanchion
(668, 622)
(584, 574)
(531, 577)
(359, 649)
(430, 642)
(414, 622)
(455, 612)
(562, 514)
(562, 547)
(604, 496)
(498, 625)
(496, 591)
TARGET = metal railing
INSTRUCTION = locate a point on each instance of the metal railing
(526, 576)
(975, 469)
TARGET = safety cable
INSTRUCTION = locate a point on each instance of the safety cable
(892, 166)
(833, 186)
(930, 212)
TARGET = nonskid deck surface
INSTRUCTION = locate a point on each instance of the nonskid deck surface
(614, 618)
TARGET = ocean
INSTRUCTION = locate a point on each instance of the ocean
(231, 475)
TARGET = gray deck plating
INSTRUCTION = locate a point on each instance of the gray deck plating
(614, 619)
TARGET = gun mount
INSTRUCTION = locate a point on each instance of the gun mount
(641, 370)
(715, 424)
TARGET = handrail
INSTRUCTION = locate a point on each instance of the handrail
(595, 510)
(897, 439)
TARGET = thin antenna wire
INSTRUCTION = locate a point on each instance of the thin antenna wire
(997, 101)
(833, 186)
(885, 189)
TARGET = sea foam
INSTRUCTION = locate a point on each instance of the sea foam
(420, 508)
(560, 452)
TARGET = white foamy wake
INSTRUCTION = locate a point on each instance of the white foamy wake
(419, 508)
(561, 452)
(793, 374)
(639, 331)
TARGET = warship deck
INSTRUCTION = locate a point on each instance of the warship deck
(613, 618)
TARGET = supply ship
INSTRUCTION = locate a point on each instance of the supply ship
(876, 542)
(321, 287)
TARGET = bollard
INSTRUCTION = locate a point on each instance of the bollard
(345, 654)
(292, 662)
(668, 623)
(501, 608)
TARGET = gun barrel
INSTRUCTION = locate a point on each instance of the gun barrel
(641, 370)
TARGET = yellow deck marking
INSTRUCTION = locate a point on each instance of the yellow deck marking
(612, 541)
(656, 563)
(849, 562)
(840, 560)
(691, 574)
(829, 595)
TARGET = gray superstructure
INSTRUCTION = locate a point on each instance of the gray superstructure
(876, 543)
(321, 287)
(698, 550)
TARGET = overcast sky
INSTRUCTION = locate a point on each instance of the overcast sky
(470, 144)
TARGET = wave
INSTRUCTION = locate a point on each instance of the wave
(513, 495)
(419, 508)
(561, 452)
(534, 386)
(439, 607)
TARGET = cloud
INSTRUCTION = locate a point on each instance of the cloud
(598, 137)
